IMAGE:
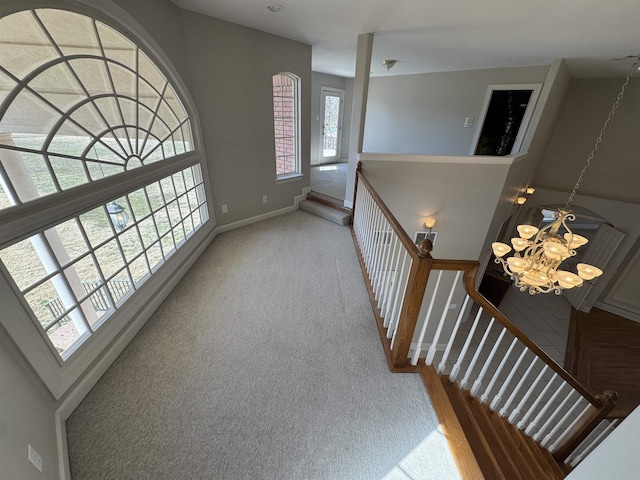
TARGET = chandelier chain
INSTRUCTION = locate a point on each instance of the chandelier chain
(634, 67)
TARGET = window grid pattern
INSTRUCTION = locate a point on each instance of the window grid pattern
(80, 102)
(285, 121)
(89, 105)
(109, 263)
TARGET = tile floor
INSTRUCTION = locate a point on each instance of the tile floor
(543, 318)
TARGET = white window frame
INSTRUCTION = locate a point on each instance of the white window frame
(22, 221)
(297, 173)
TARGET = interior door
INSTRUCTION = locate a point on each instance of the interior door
(331, 108)
(505, 116)
(599, 252)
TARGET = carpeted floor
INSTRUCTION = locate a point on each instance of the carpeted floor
(264, 363)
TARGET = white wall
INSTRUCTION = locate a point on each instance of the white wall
(319, 80)
(447, 191)
(623, 298)
(622, 216)
(616, 457)
(435, 187)
(615, 171)
(610, 185)
(26, 416)
(521, 173)
(238, 134)
(425, 114)
(231, 72)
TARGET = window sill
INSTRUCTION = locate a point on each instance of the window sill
(294, 177)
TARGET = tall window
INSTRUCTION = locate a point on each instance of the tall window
(79, 102)
(286, 123)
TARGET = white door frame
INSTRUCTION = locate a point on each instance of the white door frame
(337, 92)
(524, 125)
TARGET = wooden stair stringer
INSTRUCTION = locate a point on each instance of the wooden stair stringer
(464, 448)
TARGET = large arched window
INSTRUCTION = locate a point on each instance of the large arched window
(97, 156)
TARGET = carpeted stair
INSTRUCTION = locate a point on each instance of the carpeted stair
(326, 207)
(486, 445)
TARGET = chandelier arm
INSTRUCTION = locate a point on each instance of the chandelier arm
(616, 104)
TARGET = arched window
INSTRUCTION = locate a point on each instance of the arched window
(97, 158)
(286, 123)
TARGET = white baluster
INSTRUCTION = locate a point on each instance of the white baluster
(384, 277)
(378, 248)
(382, 258)
(394, 282)
(403, 281)
(505, 409)
(423, 330)
(516, 411)
(456, 367)
(390, 270)
(364, 219)
(531, 428)
(476, 355)
(366, 227)
(357, 217)
(477, 385)
(538, 435)
(485, 396)
(495, 403)
(525, 418)
(434, 343)
(604, 434)
(568, 430)
(371, 238)
(443, 361)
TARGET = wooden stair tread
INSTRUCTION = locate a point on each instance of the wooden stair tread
(328, 201)
(489, 464)
(500, 449)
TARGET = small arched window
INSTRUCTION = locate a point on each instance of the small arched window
(286, 123)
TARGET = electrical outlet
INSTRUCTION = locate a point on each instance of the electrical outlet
(225, 208)
(264, 199)
(34, 457)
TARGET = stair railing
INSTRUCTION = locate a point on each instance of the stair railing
(451, 325)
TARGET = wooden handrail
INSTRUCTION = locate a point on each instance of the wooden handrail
(421, 267)
(586, 426)
(411, 247)
(469, 283)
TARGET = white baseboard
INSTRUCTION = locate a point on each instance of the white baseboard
(348, 203)
(265, 216)
(80, 391)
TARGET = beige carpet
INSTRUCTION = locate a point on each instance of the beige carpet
(264, 363)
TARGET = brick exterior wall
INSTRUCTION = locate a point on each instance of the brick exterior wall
(284, 123)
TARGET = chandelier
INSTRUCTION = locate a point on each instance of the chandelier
(538, 253)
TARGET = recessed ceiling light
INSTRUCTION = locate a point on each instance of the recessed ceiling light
(276, 7)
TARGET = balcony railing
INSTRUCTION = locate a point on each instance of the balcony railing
(444, 321)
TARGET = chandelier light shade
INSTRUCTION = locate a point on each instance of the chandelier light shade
(538, 253)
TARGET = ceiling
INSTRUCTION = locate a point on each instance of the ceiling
(594, 36)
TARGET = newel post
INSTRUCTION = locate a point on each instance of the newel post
(584, 428)
(416, 286)
(355, 187)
